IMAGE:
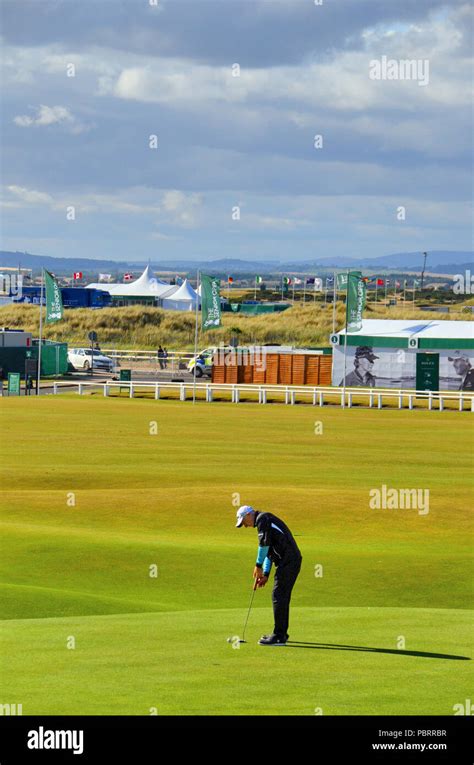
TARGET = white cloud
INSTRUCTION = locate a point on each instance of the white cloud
(170, 207)
(182, 209)
(30, 196)
(340, 81)
(51, 115)
(45, 115)
(272, 222)
(247, 138)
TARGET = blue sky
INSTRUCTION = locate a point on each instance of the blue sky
(226, 141)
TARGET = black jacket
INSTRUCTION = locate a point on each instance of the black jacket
(276, 535)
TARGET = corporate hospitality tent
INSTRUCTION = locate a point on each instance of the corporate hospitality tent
(144, 289)
(182, 298)
(421, 355)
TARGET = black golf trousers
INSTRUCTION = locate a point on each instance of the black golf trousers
(285, 577)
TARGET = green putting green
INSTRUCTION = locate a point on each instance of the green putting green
(123, 575)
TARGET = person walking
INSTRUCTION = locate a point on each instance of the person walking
(276, 545)
(160, 357)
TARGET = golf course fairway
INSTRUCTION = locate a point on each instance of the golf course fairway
(123, 574)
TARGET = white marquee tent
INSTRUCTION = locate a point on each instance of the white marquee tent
(144, 286)
(182, 298)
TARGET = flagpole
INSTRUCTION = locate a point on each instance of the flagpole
(304, 291)
(255, 294)
(386, 280)
(38, 375)
(345, 345)
(293, 292)
(376, 285)
(334, 299)
(196, 335)
(414, 280)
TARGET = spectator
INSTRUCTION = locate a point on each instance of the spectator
(161, 360)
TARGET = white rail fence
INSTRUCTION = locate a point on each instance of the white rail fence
(318, 396)
(174, 362)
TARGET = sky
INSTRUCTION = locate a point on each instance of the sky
(283, 130)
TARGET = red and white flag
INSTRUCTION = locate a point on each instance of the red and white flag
(77, 274)
(128, 277)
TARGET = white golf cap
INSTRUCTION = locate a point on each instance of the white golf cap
(241, 513)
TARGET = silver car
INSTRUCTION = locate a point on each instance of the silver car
(85, 358)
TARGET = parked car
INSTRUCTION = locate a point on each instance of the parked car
(203, 364)
(81, 358)
(203, 360)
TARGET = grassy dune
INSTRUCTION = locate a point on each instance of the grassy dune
(142, 642)
(143, 327)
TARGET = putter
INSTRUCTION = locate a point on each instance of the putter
(242, 640)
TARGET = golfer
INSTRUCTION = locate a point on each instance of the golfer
(275, 545)
(462, 367)
(362, 375)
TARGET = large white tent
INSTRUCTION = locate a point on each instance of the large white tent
(145, 286)
(182, 298)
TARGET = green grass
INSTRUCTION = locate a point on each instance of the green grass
(146, 327)
(160, 642)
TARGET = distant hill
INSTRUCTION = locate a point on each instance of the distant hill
(58, 265)
(438, 261)
(67, 265)
(441, 261)
(435, 258)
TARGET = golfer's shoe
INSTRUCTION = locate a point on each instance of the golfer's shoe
(265, 637)
(272, 640)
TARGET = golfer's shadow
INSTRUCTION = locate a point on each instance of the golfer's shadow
(340, 647)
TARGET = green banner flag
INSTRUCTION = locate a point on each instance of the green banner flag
(341, 281)
(54, 302)
(210, 302)
(356, 294)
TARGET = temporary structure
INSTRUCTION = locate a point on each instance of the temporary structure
(417, 354)
(274, 365)
(182, 298)
(145, 286)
